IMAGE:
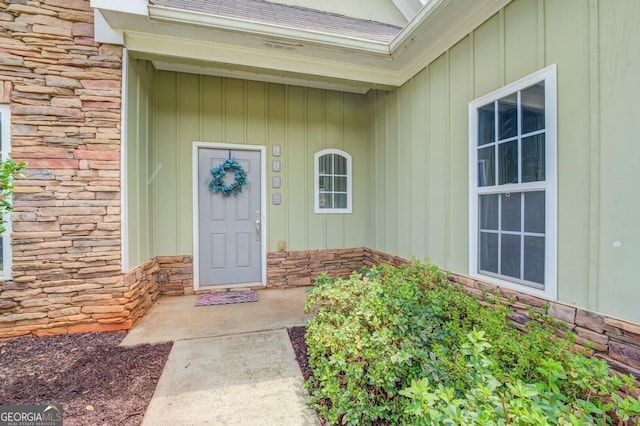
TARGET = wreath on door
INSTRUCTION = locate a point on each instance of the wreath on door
(217, 183)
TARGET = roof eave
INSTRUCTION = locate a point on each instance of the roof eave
(298, 37)
(222, 43)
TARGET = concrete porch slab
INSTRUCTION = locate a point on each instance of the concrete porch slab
(243, 379)
(177, 318)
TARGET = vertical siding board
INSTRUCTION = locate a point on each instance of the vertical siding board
(391, 164)
(487, 54)
(276, 123)
(460, 93)
(372, 194)
(297, 167)
(355, 144)
(167, 203)
(316, 141)
(380, 173)
(334, 130)
(234, 111)
(438, 159)
(256, 120)
(133, 142)
(189, 117)
(521, 39)
(419, 163)
(212, 128)
(147, 159)
(405, 143)
(619, 68)
(568, 46)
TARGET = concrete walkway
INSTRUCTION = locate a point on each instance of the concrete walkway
(230, 364)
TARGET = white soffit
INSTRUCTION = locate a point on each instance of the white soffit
(258, 76)
(284, 54)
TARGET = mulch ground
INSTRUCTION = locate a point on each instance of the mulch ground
(296, 334)
(96, 381)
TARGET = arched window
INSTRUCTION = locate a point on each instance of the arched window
(332, 181)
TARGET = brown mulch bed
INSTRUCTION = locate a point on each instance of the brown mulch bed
(296, 334)
(96, 381)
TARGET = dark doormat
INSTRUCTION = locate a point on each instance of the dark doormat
(226, 297)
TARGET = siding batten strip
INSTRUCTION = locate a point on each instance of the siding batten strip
(594, 158)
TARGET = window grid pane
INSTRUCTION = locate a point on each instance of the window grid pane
(511, 236)
(511, 147)
(333, 176)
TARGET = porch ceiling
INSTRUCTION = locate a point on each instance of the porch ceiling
(287, 44)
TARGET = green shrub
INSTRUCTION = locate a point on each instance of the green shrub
(9, 169)
(403, 345)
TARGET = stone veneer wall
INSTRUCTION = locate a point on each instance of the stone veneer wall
(301, 268)
(64, 93)
(285, 269)
(175, 275)
(616, 341)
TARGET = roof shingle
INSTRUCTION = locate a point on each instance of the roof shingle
(293, 17)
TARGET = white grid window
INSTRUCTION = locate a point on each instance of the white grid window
(512, 214)
(332, 181)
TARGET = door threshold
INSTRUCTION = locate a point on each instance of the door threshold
(231, 287)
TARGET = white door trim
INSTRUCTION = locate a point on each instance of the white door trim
(263, 206)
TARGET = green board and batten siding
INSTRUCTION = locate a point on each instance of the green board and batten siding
(191, 107)
(140, 166)
(410, 149)
(418, 145)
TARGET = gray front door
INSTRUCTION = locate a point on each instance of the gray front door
(229, 231)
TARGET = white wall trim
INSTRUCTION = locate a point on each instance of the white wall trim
(263, 204)
(124, 212)
(7, 251)
(408, 8)
(102, 31)
(136, 7)
(316, 182)
(550, 184)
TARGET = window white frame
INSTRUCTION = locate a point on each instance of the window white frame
(316, 162)
(549, 185)
(5, 116)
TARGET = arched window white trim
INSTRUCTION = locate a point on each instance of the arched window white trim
(332, 181)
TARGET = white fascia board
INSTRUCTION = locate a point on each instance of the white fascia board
(103, 33)
(258, 58)
(428, 25)
(135, 7)
(408, 8)
(166, 14)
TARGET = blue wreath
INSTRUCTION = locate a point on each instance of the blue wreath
(220, 172)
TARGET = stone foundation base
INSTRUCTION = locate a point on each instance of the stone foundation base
(98, 304)
(301, 268)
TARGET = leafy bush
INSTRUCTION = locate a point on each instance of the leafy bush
(403, 345)
(9, 169)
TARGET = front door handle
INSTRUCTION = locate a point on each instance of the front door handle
(258, 227)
